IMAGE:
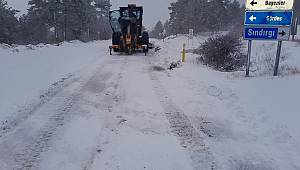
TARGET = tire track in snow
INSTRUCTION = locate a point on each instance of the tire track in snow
(26, 111)
(29, 158)
(191, 139)
(112, 100)
(25, 154)
(43, 143)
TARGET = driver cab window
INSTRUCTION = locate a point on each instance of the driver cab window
(114, 21)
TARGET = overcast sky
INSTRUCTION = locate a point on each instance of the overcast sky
(154, 10)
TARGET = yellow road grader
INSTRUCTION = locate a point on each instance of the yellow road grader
(128, 35)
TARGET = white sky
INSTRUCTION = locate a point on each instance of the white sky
(19, 5)
(154, 10)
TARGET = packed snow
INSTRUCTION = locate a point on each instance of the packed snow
(27, 72)
(75, 107)
(249, 123)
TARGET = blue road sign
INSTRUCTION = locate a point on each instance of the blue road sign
(267, 33)
(269, 18)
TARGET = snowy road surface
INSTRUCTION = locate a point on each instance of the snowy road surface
(128, 113)
(107, 116)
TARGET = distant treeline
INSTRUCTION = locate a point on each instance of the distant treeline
(204, 16)
(54, 21)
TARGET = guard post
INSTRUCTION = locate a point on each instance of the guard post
(183, 53)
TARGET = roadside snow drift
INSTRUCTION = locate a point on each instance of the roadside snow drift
(249, 123)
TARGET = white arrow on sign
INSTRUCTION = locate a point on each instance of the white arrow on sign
(252, 18)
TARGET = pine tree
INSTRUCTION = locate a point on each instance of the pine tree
(203, 15)
(76, 19)
(56, 19)
(36, 21)
(197, 11)
(217, 19)
(102, 7)
(157, 31)
(178, 17)
(50, 21)
(101, 25)
(86, 19)
(235, 13)
(8, 22)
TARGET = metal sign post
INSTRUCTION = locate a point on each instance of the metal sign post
(268, 20)
(277, 58)
(249, 58)
(294, 28)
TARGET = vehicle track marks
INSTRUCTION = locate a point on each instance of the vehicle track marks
(190, 138)
(26, 111)
(112, 99)
(28, 140)
(32, 152)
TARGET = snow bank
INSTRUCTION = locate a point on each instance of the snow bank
(249, 123)
(27, 71)
(262, 58)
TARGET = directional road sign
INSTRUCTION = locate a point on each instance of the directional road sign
(269, 18)
(267, 33)
(273, 5)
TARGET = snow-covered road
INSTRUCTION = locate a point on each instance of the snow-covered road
(125, 112)
(107, 116)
